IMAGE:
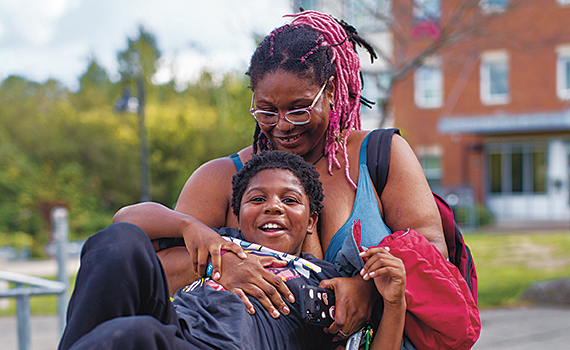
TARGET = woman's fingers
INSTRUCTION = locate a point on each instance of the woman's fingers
(202, 257)
(215, 251)
(252, 278)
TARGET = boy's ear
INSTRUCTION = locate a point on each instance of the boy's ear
(312, 227)
(237, 221)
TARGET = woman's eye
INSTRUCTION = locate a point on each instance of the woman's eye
(298, 112)
(257, 199)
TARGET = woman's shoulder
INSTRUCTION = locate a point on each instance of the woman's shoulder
(223, 165)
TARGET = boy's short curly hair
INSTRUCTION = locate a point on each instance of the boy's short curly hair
(305, 172)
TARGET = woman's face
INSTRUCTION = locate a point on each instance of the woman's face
(281, 92)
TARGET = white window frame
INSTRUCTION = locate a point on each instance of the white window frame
(435, 84)
(434, 152)
(420, 12)
(562, 67)
(488, 59)
(489, 7)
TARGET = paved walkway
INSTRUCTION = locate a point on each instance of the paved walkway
(503, 329)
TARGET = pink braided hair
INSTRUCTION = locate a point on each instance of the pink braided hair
(346, 112)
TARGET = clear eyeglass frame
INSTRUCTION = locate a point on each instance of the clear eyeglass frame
(299, 116)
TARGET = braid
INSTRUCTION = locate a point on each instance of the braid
(318, 46)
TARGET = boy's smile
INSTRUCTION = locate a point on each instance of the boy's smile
(275, 211)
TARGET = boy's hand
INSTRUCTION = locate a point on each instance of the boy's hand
(388, 272)
(354, 299)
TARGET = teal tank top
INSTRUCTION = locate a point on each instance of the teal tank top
(365, 209)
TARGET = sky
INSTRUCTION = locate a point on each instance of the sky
(54, 39)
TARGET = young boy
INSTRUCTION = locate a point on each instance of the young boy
(121, 298)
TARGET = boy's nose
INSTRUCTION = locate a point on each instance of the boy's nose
(273, 205)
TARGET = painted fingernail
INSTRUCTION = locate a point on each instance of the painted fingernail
(275, 313)
(291, 298)
(362, 272)
(251, 311)
(286, 310)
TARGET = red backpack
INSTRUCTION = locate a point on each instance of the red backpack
(378, 162)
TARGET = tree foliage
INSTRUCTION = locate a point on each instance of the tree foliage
(59, 147)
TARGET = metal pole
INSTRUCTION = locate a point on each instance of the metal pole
(60, 226)
(145, 167)
(23, 315)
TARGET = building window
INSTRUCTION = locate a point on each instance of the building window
(368, 15)
(427, 10)
(305, 4)
(494, 78)
(517, 169)
(563, 72)
(493, 5)
(428, 85)
(430, 159)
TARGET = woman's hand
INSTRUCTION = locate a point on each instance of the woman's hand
(354, 301)
(249, 276)
(204, 243)
(388, 272)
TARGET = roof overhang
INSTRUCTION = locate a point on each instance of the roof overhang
(506, 123)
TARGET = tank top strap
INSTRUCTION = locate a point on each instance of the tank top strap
(362, 155)
(237, 161)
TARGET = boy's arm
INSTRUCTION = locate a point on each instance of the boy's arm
(389, 275)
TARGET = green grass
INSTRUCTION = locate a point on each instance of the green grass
(508, 263)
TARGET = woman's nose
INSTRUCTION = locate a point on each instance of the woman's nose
(283, 124)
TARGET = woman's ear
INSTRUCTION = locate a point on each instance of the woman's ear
(312, 227)
(330, 90)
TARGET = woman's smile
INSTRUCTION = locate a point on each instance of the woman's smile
(281, 92)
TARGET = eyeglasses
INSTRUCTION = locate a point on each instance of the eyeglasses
(297, 117)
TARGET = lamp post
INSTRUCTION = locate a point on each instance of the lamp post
(136, 105)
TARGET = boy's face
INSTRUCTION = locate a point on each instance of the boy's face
(275, 211)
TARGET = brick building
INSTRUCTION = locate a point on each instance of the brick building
(487, 111)
(489, 118)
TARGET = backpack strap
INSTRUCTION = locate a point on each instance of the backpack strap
(378, 156)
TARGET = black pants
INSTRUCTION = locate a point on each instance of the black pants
(121, 298)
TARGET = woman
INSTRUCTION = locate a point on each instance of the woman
(306, 87)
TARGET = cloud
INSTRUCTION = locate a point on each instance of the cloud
(55, 38)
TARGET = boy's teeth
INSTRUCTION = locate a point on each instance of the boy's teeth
(271, 226)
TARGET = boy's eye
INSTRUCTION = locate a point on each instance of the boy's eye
(257, 199)
(290, 200)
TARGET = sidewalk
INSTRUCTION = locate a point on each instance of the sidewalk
(525, 328)
(503, 329)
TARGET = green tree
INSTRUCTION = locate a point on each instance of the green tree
(95, 87)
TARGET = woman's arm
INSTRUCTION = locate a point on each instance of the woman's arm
(202, 242)
(407, 199)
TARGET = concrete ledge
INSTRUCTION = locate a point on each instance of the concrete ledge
(548, 293)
